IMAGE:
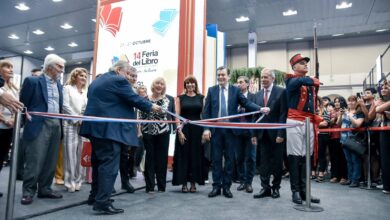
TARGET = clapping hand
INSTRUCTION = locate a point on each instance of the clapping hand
(157, 108)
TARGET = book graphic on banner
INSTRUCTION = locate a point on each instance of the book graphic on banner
(166, 18)
(111, 18)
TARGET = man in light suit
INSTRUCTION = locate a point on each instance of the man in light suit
(245, 150)
(41, 136)
(223, 100)
(111, 95)
(271, 143)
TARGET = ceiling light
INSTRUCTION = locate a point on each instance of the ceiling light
(242, 19)
(298, 38)
(79, 63)
(57, 0)
(381, 30)
(262, 42)
(336, 35)
(93, 19)
(66, 26)
(49, 48)
(22, 7)
(72, 44)
(344, 5)
(290, 12)
(228, 45)
(28, 52)
(38, 32)
(13, 36)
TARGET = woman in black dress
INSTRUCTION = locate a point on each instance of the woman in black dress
(189, 153)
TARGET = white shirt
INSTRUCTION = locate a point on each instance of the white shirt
(7, 114)
(74, 102)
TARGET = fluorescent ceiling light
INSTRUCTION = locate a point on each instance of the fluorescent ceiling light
(262, 42)
(66, 26)
(57, 0)
(38, 32)
(28, 52)
(228, 45)
(22, 7)
(72, 44)
(242, 19)
(13, 36)
(49, 48)
(381, 30)
(93, 19)
(290, 12)
(298, 38)
(79, 63)
(344, 5)
(336, 35)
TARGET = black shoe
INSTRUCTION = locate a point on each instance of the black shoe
(1, 194)
(275, 193)
(296, 198)
(354, 184)
(227, 193)
(19, 177)
(109, 210)
(26, 200)
(241, 187)
(128, 187)
(249, 188)
(50, 195)
(215, 192)
(263, 193)
(313, 199)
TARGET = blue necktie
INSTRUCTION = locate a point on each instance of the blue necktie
(223, 102)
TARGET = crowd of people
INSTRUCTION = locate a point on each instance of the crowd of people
(128, 147)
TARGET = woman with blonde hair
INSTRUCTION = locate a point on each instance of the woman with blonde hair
(156, 139)
(75, 100)
(6, 116)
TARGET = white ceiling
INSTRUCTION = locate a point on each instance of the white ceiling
(363, 18)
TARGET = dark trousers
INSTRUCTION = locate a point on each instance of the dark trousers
(5, 144)
(337, 159)
(385, 155)
(41, 156)
(156, 160)
(105, 164)
(323, 142)
(297, 173)
(271, 162)
(126, 166)
(223, 143)
(246, 159)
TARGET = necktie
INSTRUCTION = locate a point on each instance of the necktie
(223, 102)
(265, 97)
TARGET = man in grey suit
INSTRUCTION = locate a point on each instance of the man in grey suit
(271, 143)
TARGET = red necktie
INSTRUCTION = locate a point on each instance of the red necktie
(265, 97)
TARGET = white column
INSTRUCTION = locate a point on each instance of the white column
(252, 49)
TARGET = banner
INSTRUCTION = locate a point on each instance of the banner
(145, 34)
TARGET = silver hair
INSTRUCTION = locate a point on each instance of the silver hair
(52, 59)
(271, 71)
(121, 65)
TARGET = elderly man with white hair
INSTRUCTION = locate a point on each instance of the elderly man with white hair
(41, 136)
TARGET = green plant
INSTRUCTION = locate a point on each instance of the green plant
(255, 72)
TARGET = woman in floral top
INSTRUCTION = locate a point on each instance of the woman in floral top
(156, 139)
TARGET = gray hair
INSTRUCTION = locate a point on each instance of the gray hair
(51, 60)
(121, 65)
(245, 78)
(270, 71)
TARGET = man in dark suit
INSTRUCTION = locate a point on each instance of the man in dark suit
(41, 136)
(245, 150)
(223, 100)
(271, 143)
(110, 95)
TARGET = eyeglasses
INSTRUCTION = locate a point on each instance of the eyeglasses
(60, 66)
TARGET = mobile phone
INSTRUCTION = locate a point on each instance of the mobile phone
(359, 95)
